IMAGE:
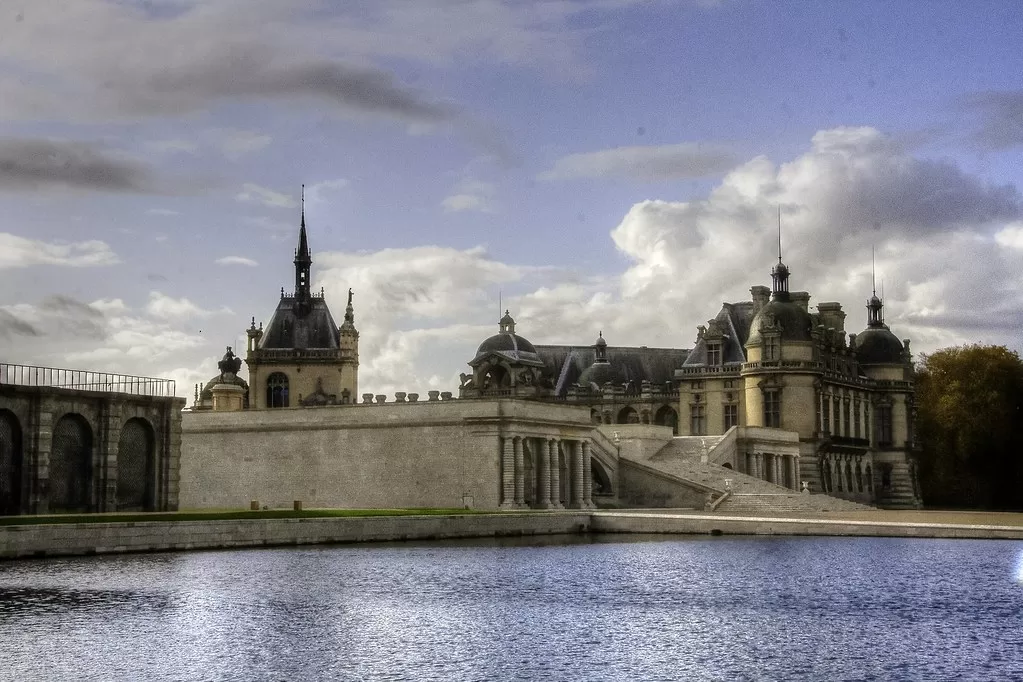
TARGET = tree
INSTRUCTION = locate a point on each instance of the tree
(970, 427)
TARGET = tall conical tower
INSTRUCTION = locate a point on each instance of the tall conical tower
(303, 357)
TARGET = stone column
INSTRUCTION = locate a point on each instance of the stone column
(587, 477)
(508, 473)
(555, 455)
(757, 469)
(794, 468)
(778, 477)
(543, 454)
(577, 475)
(520, 471)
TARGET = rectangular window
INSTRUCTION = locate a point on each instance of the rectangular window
(825, 414)
(845, 417)
(772, 408)
(866, 419)
(714, 354)
(729, 383)
(771, 349)
(731, 416)
(836, 415)
(884, 427)
(856, 418)
(697, 420)
(697, 385)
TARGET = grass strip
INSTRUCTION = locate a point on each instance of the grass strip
(174, 517)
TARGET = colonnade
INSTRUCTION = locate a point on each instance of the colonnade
(545, 473)
(846, 473)
(777, 468)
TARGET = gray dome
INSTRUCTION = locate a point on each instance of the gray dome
(506, 342)
(599, 373)
(795, 322)
(878, 345)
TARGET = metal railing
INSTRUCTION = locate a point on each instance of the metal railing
(85, 380)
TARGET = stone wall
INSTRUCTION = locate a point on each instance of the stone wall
(445, 454)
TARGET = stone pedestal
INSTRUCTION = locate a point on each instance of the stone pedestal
(228, 398)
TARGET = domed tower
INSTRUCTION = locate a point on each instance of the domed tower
(226, 392)
(601, 371)
(779, 373)
(506, 365)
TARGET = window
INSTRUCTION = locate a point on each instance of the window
(697, 420)
(845, 417)
(771, 348)
(856, 418)
(825, 414)
(714, 354)
(884, 433)
(836, 415)
(772, 408)
(866, 419)
(731, 416)
(729, 383)
(697, 385)
(277, 390)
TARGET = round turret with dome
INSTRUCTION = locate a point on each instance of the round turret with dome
(782, 315)
(601, 371)
(505, 364)
(877, 345)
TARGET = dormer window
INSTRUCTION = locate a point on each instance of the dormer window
(772, 349)
(714, 354)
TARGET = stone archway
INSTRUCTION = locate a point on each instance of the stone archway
(277, 390)
(71, 465)
(600, 478)
(11, 464)
(667, 416)
(628, 415)
(136, 481)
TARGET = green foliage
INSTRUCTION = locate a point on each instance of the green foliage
(970, 425)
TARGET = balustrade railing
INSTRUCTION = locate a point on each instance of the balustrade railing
(85, 380)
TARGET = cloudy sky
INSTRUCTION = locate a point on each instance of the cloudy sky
(610, 165)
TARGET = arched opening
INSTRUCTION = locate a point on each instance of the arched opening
(595, 417)
(601, 481)
(135, 467)
(627, 415)
(71, 465)
(727, 465)
(277, 390)
(10, 464)
(496, 376)
(667, 416)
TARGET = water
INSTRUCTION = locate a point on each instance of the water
(691, 608)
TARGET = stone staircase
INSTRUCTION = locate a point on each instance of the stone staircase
(681, 459)
(900, 494)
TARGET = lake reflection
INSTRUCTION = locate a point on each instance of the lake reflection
(605, 609)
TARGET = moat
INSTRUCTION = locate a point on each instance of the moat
(563, 608)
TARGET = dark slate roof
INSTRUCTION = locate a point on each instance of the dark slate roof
(566, 364)
(876, 345)
(734, 319)
(287, 329)
(796, 323)
(508, 345)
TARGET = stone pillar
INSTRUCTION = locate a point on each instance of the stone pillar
(757, 470)
(577, 475)
(40, 422)
(108, 438)
(508, 473)
(520, 471)
(778, 478)
(587, 477)
(543, 454)
(555, 456)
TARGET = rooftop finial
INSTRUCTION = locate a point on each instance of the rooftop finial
(873, 282)
(303, 205)
(779, 233)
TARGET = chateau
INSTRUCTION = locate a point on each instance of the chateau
(775, 407)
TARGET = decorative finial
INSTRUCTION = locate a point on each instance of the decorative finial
(779, 233)
(303, 205)
(873, 283)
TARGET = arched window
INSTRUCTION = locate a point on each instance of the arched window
(666, 416)
(628, 416)
(277, 390)
(71, 465)
(10, 464)
(136, 478)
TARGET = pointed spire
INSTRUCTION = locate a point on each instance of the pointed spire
(875, 305)
(303, 260)
(780, 272)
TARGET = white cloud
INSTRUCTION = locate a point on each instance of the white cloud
(167, 307)
(173, 146)
(236, 260)
(470, 195)
(664, 162)
(319, 191)
(235, 143)
(1011, 235)
(162, 212)
(19, 252)
(265, 196)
